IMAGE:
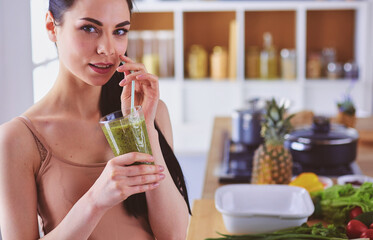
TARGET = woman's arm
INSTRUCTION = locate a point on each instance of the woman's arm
(18, 199)
(168, 212)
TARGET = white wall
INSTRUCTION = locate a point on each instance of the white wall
(15, 58)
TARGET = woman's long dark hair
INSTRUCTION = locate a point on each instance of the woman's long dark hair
(110, 102)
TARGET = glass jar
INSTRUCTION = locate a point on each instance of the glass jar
(328, 55)
(150, 57)
(334, 70)
(134, 49)
(351, 70)
(219, 63)
(288, 64)
(166, 53)
(253, 62)
(314, 65)
(197, 62)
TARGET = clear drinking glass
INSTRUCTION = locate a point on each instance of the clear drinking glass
(126, 133)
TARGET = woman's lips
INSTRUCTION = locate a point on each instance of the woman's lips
(101, 68)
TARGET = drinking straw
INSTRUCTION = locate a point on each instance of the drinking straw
(133, 96)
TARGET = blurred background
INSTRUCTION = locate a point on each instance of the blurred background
(212, 57)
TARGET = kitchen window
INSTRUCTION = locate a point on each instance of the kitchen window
(44, 52)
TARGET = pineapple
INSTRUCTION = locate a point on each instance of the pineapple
(272, 163)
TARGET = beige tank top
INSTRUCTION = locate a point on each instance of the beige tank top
(61, 183)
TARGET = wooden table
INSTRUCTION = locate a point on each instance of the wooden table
(206, 220)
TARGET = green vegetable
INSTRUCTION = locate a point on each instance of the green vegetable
(366, 218)
(316, 231)
(335, 203)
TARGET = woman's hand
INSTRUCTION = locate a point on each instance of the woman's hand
(146, 90)
(120, 179)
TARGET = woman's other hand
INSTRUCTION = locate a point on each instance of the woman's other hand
(120, 179)
(146, 90)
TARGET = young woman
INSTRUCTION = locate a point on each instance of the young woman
(54, 159)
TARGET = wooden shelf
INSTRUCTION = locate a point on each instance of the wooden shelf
(332, 28)
(152, 21)
(208, 29)
(281, 24)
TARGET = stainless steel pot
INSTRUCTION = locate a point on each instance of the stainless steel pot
(246, 123)
(323, 144)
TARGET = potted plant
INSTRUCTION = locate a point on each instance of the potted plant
(346, 112)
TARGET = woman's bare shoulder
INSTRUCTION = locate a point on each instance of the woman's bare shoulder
(164, 123)
(17, 143)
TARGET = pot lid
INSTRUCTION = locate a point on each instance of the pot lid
(323, 133)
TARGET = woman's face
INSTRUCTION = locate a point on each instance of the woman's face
(91, 38)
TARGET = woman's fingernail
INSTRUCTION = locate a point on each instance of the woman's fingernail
(122, 82)
(161, 168)
(162, 176)
(139, 76)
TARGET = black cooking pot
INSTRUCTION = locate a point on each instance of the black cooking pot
(323, 144)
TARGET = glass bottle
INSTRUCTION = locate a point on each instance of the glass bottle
(268, 58)
(150, 56)
(166, 53)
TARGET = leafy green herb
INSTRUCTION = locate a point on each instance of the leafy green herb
(334, 204)
(317, 231)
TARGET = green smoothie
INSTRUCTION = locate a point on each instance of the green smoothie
(126, 135)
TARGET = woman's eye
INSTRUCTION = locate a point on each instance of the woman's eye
(89, 29)
(121, 32)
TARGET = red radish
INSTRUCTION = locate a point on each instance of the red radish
(367, 234)
(355, 228)
(356, 211)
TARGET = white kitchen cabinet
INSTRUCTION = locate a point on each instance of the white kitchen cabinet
(303, 25)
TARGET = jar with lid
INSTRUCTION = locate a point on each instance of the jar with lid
(351, 70)
(253, 62)
(288, 64)
(166, 53)
(150, 56)
(134, 49)
(334, 70)
(328, 55)
(197, 62)
(219, 63)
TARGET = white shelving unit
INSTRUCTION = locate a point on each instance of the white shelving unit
(194, 103)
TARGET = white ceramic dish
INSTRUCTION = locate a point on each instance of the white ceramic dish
(250, 208)
(326, 181)
(353, 178)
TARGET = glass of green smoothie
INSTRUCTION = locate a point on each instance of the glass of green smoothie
(126, 132)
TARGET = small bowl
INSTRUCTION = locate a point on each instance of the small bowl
(326, 181)
(251, 208)
(355, 179)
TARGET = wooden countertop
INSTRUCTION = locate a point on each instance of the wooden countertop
(223, 124)
(206, 220)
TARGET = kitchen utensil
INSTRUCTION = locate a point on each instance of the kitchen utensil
(323, 144)
(246, 123)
